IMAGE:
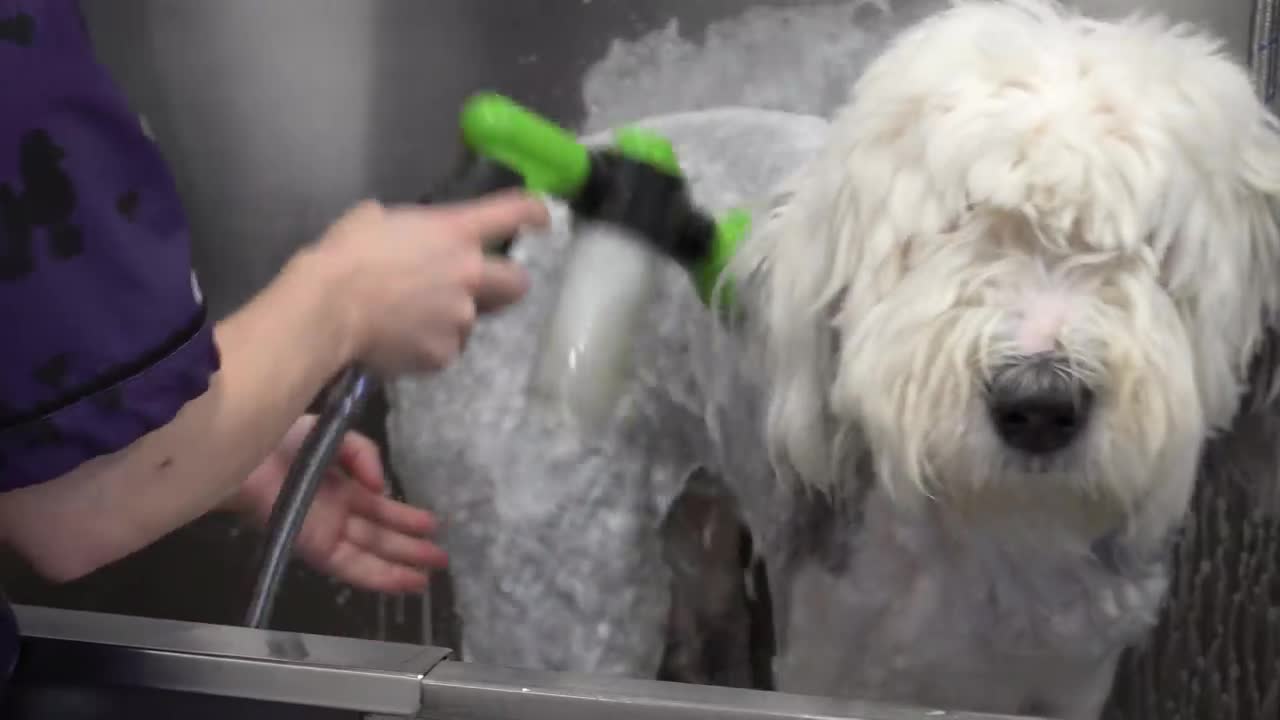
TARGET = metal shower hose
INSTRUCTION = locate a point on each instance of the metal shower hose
(344, 402)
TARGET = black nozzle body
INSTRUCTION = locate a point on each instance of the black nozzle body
(474, 177)
(648, 201)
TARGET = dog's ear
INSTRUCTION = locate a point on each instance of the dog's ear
(825, 250)
(1260, 171)
(785, 271)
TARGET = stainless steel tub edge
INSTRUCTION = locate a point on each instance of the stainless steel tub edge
(364, 678)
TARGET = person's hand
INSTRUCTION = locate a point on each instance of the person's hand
(415, 278)
(353, 531)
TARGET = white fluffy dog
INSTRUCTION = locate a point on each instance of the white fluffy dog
(990, 324)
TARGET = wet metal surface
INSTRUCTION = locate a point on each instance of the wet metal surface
(64, 647)
(88, 665)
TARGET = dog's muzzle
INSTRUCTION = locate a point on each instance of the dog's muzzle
(1037, 405)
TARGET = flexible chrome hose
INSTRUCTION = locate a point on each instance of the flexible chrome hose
(345, 401)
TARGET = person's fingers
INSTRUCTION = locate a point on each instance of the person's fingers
(501, 283)
(394, 546)
(394, 514)
(355, 565)
(358, 455)
(496, 217)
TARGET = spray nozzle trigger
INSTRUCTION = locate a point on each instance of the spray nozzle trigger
(547, 157)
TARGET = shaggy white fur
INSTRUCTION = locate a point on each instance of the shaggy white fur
(988, 329)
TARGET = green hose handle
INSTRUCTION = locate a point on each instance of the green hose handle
(551, 161)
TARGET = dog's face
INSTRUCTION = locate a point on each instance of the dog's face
(1044, 252)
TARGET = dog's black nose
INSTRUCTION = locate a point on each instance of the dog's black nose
(1037, 405)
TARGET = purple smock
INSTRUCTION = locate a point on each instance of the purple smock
(105, 335)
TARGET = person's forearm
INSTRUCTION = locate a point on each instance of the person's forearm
(277, 353)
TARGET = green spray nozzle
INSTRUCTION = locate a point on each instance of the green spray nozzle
(647, 147)
(656, 151)
(545, 155)
(730, 231)
(549, 159)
